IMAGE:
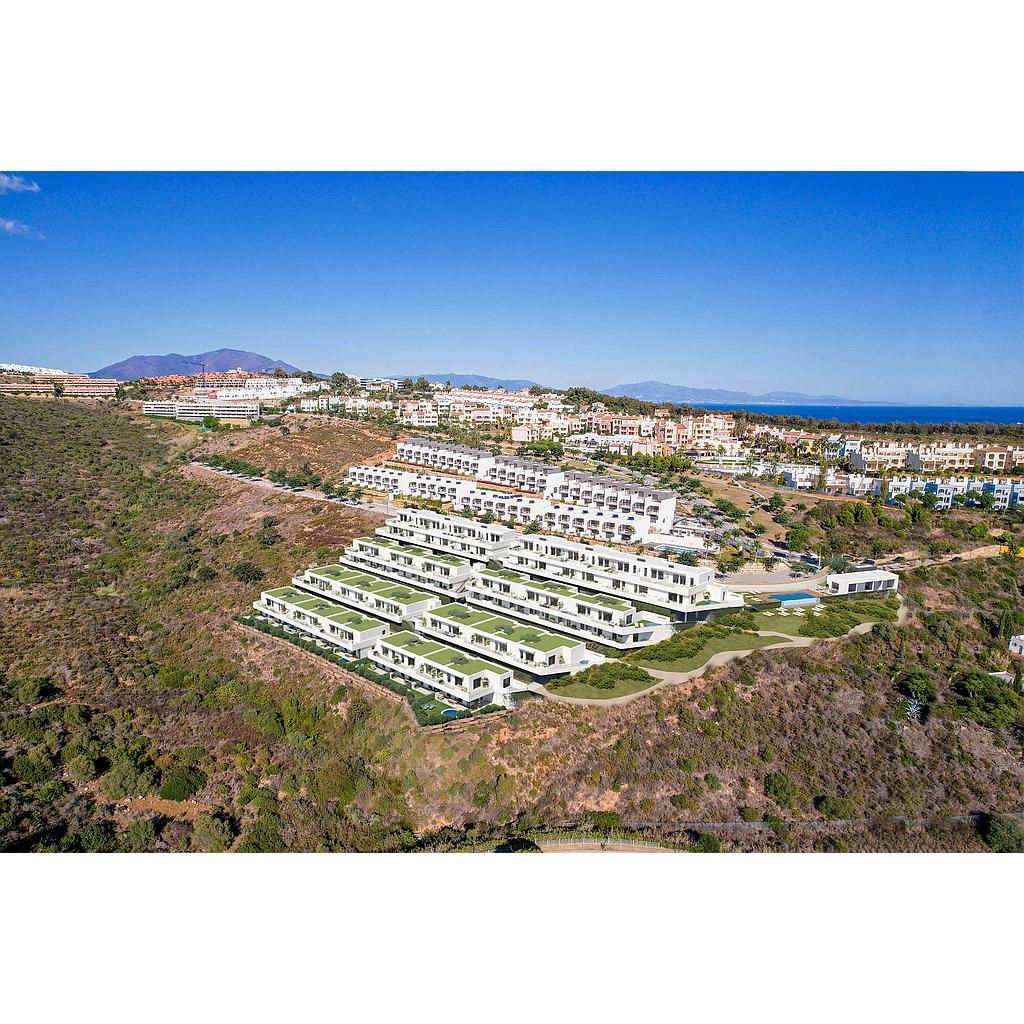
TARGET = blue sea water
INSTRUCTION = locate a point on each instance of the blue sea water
(888, 413)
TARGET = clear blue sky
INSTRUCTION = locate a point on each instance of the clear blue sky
(900, 287)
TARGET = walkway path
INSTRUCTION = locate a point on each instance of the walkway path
(665, 677)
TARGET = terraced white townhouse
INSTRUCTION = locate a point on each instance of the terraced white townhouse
(688, 593)
(330, 624)
(531, 649)
(450, 535)
(554, 517)
(398, 481)
(598, 617)
(605, 494)
(377, 597)
(454, 458)
(420, 567)
(529, 475)
(445, 670)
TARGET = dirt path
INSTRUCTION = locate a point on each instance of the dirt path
(666, 678)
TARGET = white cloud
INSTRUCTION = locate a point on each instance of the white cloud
(16, 183)
(15, 227)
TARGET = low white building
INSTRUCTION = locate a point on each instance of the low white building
(688, 592)
(437, 487)
(321, 620)
(454, 458)
(1017, 645)
(612, 495)
(380, 598)
(197, 411)
(324, 403)
(451, 535)
(441, 669)
(419, 567)
(530, 475)
(869, 581)
(528, 648)
(605, 620)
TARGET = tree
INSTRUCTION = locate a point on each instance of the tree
(211, 834)
(211, 422)
(247, 572)
(180, 783)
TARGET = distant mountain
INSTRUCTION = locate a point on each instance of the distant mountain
(679, 394)
(218, 361)
(475, 379)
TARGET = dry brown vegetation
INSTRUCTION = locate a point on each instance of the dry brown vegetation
(118, 591)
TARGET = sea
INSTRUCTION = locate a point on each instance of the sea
(865, 414)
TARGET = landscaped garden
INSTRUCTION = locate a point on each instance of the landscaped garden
(690, 648)
(604, 681)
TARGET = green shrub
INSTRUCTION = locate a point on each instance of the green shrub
(837, 807)
(181, 782)
(1004, 834)
(32, 690)
(138, 837)
(247, 572)
(782, 789)
(82, 768)
(211, 834)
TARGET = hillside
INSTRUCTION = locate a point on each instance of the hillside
(476, 380)
(135, 714)
(218, 361)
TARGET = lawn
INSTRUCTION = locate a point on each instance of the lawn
(789, 624)
(714, 645)
(615, 679)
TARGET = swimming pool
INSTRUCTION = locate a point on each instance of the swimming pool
(677, 548)
(795, 599)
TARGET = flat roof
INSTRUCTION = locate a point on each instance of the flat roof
(506, 629)
(322, 607)
(371, 584)
(412, 549)
(864, 574)
(442, 655)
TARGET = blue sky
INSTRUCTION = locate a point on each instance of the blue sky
(899, 287)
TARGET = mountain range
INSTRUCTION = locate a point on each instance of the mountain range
(218, 361)
(680, 394)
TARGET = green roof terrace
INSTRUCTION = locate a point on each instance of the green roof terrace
(412, 549)
(505, 629)
(442, 655)
(369, 584)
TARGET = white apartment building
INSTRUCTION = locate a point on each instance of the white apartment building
(998, 458)
(605, 620)
(197, 411)
(324, 403)
(941, 456)
(419, 567)
(530, 475)
(867, 582)
(687, 592)
(453, 458)
(398, 481)
(377, 597)
(1006, 492)
(617, 444)
(451, 535)
(528, 648)
(452, 674)
(608, 494)
(554, 517)
(321, 620)
(879, 456)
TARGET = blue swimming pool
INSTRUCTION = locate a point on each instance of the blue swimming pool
(678, 549)
(794, 600)
(450, 713)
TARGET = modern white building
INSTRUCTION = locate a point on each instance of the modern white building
(419, 567)
(450, 535)
(454, 458)
(528, 648)
(556, 517)
(869, 581)
(321, 620)
(1017, 645)
(324, 403)
(370, 594)
(599, 617)
(444, 670)
(530, 475)
(197, 411)
(608, 494)
(437, 487)
(687, 592)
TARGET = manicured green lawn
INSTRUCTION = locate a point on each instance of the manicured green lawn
(716, 645)
(789, 624)
(621, 688)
